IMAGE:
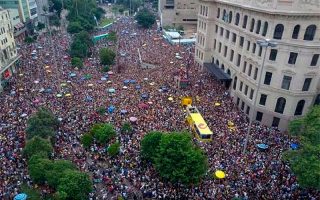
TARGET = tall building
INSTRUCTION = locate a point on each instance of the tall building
(227, 48)
(33, 11)
(178, 12)
(19, 28)
(21, 5)
(41, 6)
(8, 52)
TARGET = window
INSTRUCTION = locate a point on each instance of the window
(281, 103)
(278, 31)
(306, 84)
(267, 78)
(231, 55)
(248, 110)
(214, 44)
(292, 58)
(248, 45)
(259, 116)
(255, 73)
(225, 51)
(242, 105)
(220, 47)
(218, 13)
(241, 84)
(317, 100)
(252, 25)
(314, 60)
(227, 34)
(295, 33)
(221, 31)
(275, 121)
(234, 37)
(310, 32)
(260, 51)
(265, 29)
(222, 67)
(239, 60)
(217, 28)
(258, 27)
(230, 17)
(250, 70)
(286, 81)
(235, 83)
(244, 66)
(238, 101)
(237, 19)
(246, 90)
(245, 20)
(254, 48)
(217, 62)
(251, 94)
(263, 99)
(299, 108)
(273, 54)
(241, 41)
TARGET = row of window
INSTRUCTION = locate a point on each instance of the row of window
(204, 10)
(293, 57)
(255, 26)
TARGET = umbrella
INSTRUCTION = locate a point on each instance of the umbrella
(164, 89)
(36, 81)
(59, 95)
(220, 174)
(110, 72)
(90, 84)
(126, 82)
(143, 106)
(49, 71)
(48, 90)
(145, 96)
(217, 104)
(133, 119)
(21, 196)
(138, 87)
(111, 90)
(103, 79)
(72, 74)
(21, 89)
(68, 81)
(170, 99)
(106, 76)
(65, 57)
(145, 79)
(60, 119)
(171, 62)
(13, 92)
(125, 87)
(133, 81)
(87, 76)
(63, 84)
(67, 95)
(109, 81)
(111, 109)
(23, 115)
(20, 74)
(150, 102)
(152, 83)
(89, 98)
(36, 101)
(123, 111)
(263, 146)
(294, 146)
(42, 90)
(47, 67)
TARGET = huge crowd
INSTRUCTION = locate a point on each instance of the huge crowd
(45, 71)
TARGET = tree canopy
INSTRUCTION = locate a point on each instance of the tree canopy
(37, 145)
(81, 45)
(145, 18)
(107, 56)
(103, 132)
(175, 157)
(305, 162)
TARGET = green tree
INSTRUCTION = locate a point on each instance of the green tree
(126, 127)
(76, 185)
(81, 44)
(150, 145)
(74, 27)
(114, 149)
(178, 161)
(305, 162)
(87, 140)
(112, 36)
(57, 170)
(37, 145)
(145, 18)
(77, 62)
(40, 26)
(107, 56)
(38, 168)
(42, 124)
(103, 132)
(106, 68)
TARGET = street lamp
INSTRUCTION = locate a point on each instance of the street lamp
(262, 43)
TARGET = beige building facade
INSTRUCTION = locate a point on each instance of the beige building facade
(178, 12)
(8, 52)
(227, 36)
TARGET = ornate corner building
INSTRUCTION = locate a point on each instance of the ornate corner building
(227, 47)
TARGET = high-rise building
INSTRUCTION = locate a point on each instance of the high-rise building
(19, 27)
(8, 52)
(42, 5)
(178, 12)
(227, 47)
(33, 11)
(21, 5)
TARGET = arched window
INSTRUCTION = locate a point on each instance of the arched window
(237, 19)
(230, 17)
(258, 27)
(245, 20)
(224, 13)
(217, 62)
(295, 33)
(278, 31)
(310, 32)
(317, 101)
(252, 25)
(229, 72)
(281, 103)
(218, 13)
(222, 67)
(265, 29)
(235, 83)
(212, 60)
(299, 108)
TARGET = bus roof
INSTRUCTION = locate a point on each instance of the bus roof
(201, 124)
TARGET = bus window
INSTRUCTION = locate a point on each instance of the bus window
(205, 136)
(197, 130)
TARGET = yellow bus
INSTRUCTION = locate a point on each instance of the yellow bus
(197, 124)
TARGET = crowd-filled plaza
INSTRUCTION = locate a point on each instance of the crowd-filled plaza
(45, 78)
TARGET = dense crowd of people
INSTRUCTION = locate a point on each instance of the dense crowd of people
(45, 71)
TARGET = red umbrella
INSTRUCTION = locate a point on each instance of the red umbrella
(133, 119)
(143, 106)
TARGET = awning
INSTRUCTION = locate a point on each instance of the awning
(19, 25)
(214, 70)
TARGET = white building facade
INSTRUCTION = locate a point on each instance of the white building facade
(227, 37)
(8, 52)
(33, 11)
